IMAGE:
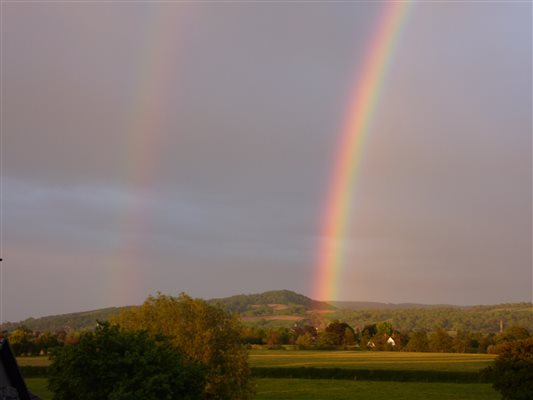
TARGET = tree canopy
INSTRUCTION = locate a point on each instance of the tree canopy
(113, 364)
(512, 371)
(206, 334)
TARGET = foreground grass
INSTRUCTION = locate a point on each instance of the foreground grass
(371, 360)
(39, 387)
(307, 389)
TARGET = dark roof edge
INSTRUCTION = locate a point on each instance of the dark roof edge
(12, 370)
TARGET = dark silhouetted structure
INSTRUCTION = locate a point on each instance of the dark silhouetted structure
(12, 385)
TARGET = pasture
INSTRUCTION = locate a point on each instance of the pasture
(349, 359)
(378, 360)
(332, 389)
(310, 389)
(314, 389)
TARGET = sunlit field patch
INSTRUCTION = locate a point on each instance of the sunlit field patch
(371, 360)
(306, 389)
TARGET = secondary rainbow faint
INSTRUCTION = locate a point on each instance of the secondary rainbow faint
(153, 71)
(357, 125)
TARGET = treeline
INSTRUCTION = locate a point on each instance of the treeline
(25, 342)
(380, 337)
(67, 322)
(484, 319)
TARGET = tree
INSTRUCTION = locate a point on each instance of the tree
(384, 328)
(335, 334)
(21, 340)
(418, 342)
(440, 341)
(512, 333)
(305, 341)
(512, 371)
(113, 364)
(206, 334)
(367, 333)
(462, 342)
(45, 341)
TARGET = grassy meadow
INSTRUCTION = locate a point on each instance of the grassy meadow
(381, 360)
(316, 389)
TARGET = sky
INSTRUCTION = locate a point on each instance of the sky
(189, 147)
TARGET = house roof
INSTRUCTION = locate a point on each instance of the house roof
(11, 378)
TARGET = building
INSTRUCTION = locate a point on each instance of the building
(12, 385)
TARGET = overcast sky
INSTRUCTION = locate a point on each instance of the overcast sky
(189, 147)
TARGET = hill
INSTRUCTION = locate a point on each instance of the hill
(374, 305)
(68, 322)
(284, 307)
(282, 302)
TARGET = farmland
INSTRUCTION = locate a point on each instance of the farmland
(311, 389)
(315, 389)
(371, 360)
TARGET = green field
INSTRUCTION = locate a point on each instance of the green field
(350, 359)
(304, 389)
(34, 361)
(39, 387)
(310, 389)
(371, 360)
(316, 389)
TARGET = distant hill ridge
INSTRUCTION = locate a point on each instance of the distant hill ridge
(373, 305)
(279, 305)
(248, 302)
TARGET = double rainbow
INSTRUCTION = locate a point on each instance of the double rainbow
(360, 115)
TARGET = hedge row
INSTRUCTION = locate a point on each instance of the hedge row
(368, 374)
(33, 371)
(30, 371)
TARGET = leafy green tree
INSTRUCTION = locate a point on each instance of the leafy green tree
(418, 342)
(335, 333)
(21, 340)
(206, 334)
(440, 341)
(305, 341)
(45, 341)
(327, 340)
(462, 342)
(511, 334)
(367, 333)
(349, 339)
(113, 364)
(384, 328)
(512, 371)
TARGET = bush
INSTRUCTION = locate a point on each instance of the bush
(512, 371)
(117, 365)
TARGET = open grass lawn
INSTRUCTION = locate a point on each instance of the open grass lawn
(40, 361)
(310, 389)
(315, 389)
(349, 359)
(39, 387)
(370, 360)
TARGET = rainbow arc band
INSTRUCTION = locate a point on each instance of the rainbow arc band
(359, 118)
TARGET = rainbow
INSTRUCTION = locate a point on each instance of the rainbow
(145, 134)
(358, 123)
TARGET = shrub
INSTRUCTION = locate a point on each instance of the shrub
(512, 371)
